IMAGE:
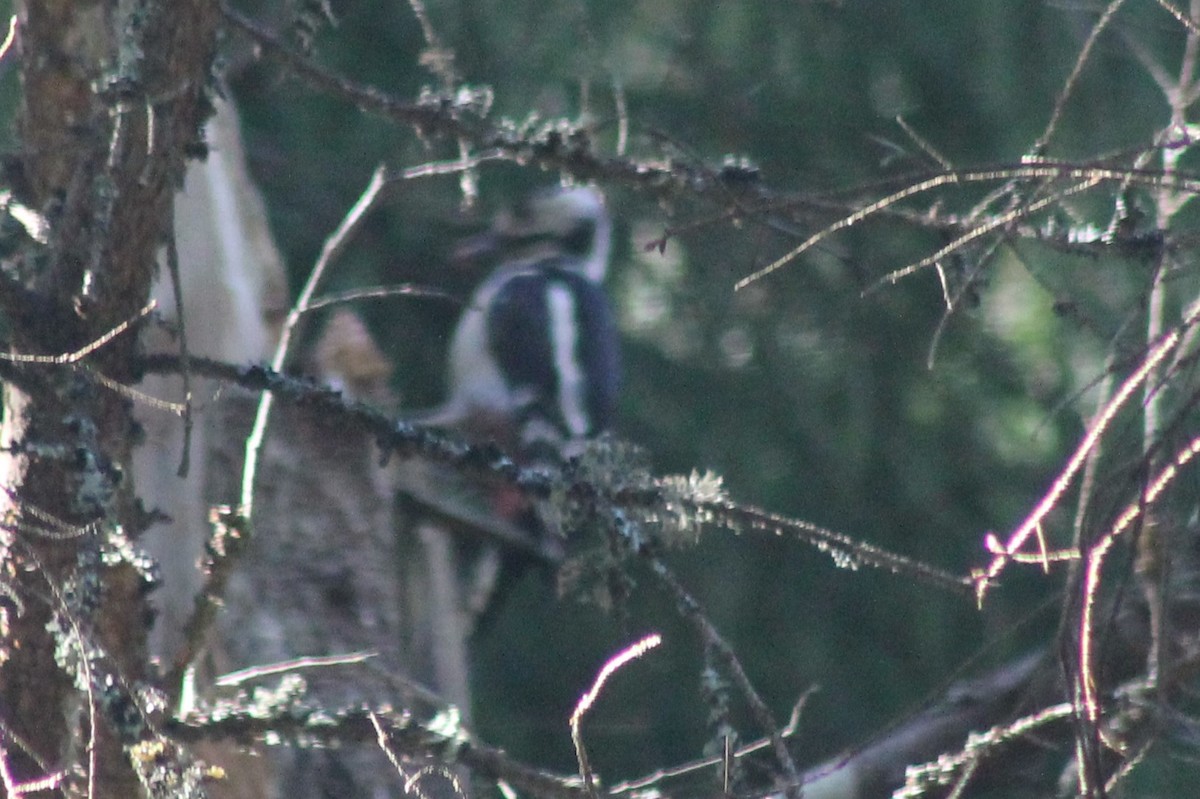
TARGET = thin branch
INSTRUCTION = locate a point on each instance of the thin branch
(412, 778)
(130, 393)
(463, 164)
(694, 615)
(289, 666)
(1153, 560)
(965, 285)
(394, 437)
(379, 293)
(9, 38)
(1032, 170)
(1182, 18)
(611, 667)
(177, 291)
(439, 59)
(226, 541)
(622, 108)
(404, 735)
(404, 439)
(662, 774)
(960, 766)
(845, 550)
(334, 245)
(993, 223)
(85, 651)
(86, 349)
(462, 118)
(12, 788)
(1095, 563)
(1001, 555)
(1060, 102)
(924, 144)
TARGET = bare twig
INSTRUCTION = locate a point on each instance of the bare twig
(560, 146)
(13, 788)
(333, 247)
(85, 651)
(660, 775)
(226, 541)
(611, 666)
(9, 38)
(412, 777)
(439, 59)
(622, 107)
(694, 615)
(960, 766)
(405, 440)
(404, 736)
(1002, 552)
(845, 550)
(185, 373)
(1033, 170)
(1183, 19)
(1159, 482)
(86, 349)
(1060, 102)
(75, 360)
(1153, 561)
(288, 666)
(924, 144)
(995, 223)
(379, 293)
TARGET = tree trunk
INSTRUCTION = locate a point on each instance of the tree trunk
(113, 96)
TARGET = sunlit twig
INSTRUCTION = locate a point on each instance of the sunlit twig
(983, 578)
(85, 350)
(287, 666)
(1095, 563)
(615, 663)
(333, 247)
(1060, 103)
(1033, 170)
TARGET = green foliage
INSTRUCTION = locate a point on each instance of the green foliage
(814, 393)
(809, 399)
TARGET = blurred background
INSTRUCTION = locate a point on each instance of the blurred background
(808, 399)
(871, 415)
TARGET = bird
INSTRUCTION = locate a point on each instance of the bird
(534, 362)
(533, 366)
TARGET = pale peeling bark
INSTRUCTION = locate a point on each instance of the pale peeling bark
(234, 291)
(331, 568)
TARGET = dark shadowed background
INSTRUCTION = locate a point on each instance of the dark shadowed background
(860, 413)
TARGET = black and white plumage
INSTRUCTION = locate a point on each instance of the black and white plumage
(534, 362)
(533, 365)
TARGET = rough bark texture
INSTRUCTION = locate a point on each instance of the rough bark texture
(329, 570)
(93, 75)
(318, 579)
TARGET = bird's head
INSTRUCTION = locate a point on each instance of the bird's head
(551, 222)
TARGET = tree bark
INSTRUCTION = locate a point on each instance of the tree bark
(113, 98)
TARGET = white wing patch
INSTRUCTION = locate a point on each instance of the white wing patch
(564, 334)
